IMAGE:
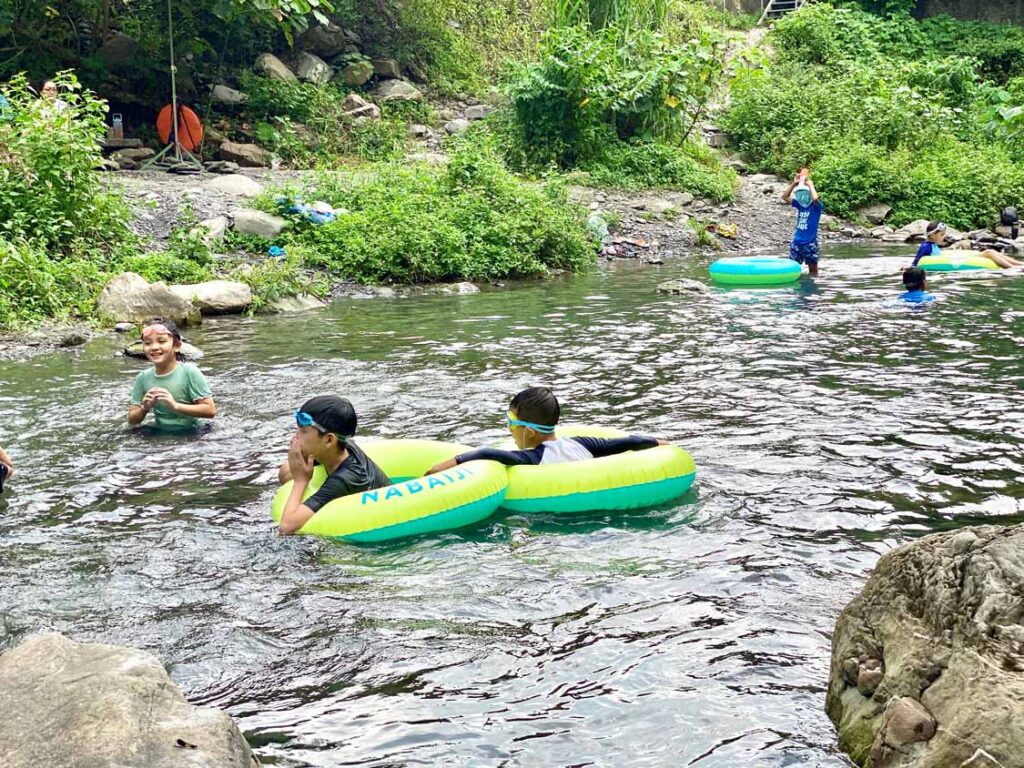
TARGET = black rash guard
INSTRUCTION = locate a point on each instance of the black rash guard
(355, 474)
(561, 450)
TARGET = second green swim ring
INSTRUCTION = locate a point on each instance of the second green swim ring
(412, 504)
(631, 480)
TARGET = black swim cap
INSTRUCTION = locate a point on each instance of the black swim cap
(333, 413)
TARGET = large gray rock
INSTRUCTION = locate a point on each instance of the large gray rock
(355, 105)
(301, 303)
(236, 185)
(86, 705)
(357, 73)
(876, 214)
(129, 298)
(213, 229)
(136, 155)
(252, 222)
(246, 155)
(323, 41)
(914, 230)
(397, 90)
(119, 52)
(312, 68)
(478, 111)
(269, 65)
(456, 126)
(928, 660)
(386, 68)
(222, 94)
(217, 297)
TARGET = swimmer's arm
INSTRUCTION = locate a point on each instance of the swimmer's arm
(508, 458)
(203, 408)
(136, 414)
(4, 458)
(600, 446)
(814, 192)
(788, 193)
(296, 514)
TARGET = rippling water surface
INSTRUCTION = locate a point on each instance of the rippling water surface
(828, 424)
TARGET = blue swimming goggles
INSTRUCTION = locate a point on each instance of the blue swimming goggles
(541, 428)
(303, 419)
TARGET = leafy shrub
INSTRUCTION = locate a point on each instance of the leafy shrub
(638, 164)
(50, 193)
(305, 123)
(273, 279)
(961, 183)
(882, 114)
(34, 287)
(470, 220)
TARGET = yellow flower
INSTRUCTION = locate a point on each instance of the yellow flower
(671, 102)
(584, 102)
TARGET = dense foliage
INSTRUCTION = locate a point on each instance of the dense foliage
(59, 226)
(617, 99)
(888, 110)
(470, 219)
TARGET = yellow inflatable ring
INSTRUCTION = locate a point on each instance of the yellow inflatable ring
(956, 261)
(414, 504)
(626, 481)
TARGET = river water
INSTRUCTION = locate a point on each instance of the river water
(828, 423)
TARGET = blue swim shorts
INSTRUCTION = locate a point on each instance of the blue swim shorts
(804, 253)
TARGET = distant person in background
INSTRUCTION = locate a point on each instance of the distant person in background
(6, 468)
(802, 195)
(49, 93)
(916, 283)
(6, 110)
(935, 234)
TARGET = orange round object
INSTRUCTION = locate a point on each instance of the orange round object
(190, 127)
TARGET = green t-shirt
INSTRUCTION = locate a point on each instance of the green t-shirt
(186, 383)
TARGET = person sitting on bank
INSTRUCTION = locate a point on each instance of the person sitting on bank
(935, 234)
(323, 435)
(532, 416)
(916, 283)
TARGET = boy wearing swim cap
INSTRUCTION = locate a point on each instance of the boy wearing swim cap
(323, 435)
(935, 235)
(802, 195)
(532, 416)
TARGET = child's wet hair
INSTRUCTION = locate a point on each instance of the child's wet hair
(538, 405)
(172, 329)
(913, 279)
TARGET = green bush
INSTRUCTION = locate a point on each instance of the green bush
(273, 279)
(469, 220)
(305, 123)
(638, 164)
(50, 193)
(33, 287)
(881, 112)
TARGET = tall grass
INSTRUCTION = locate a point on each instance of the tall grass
(620, 15)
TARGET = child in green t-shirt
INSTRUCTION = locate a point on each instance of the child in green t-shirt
(175, 391)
